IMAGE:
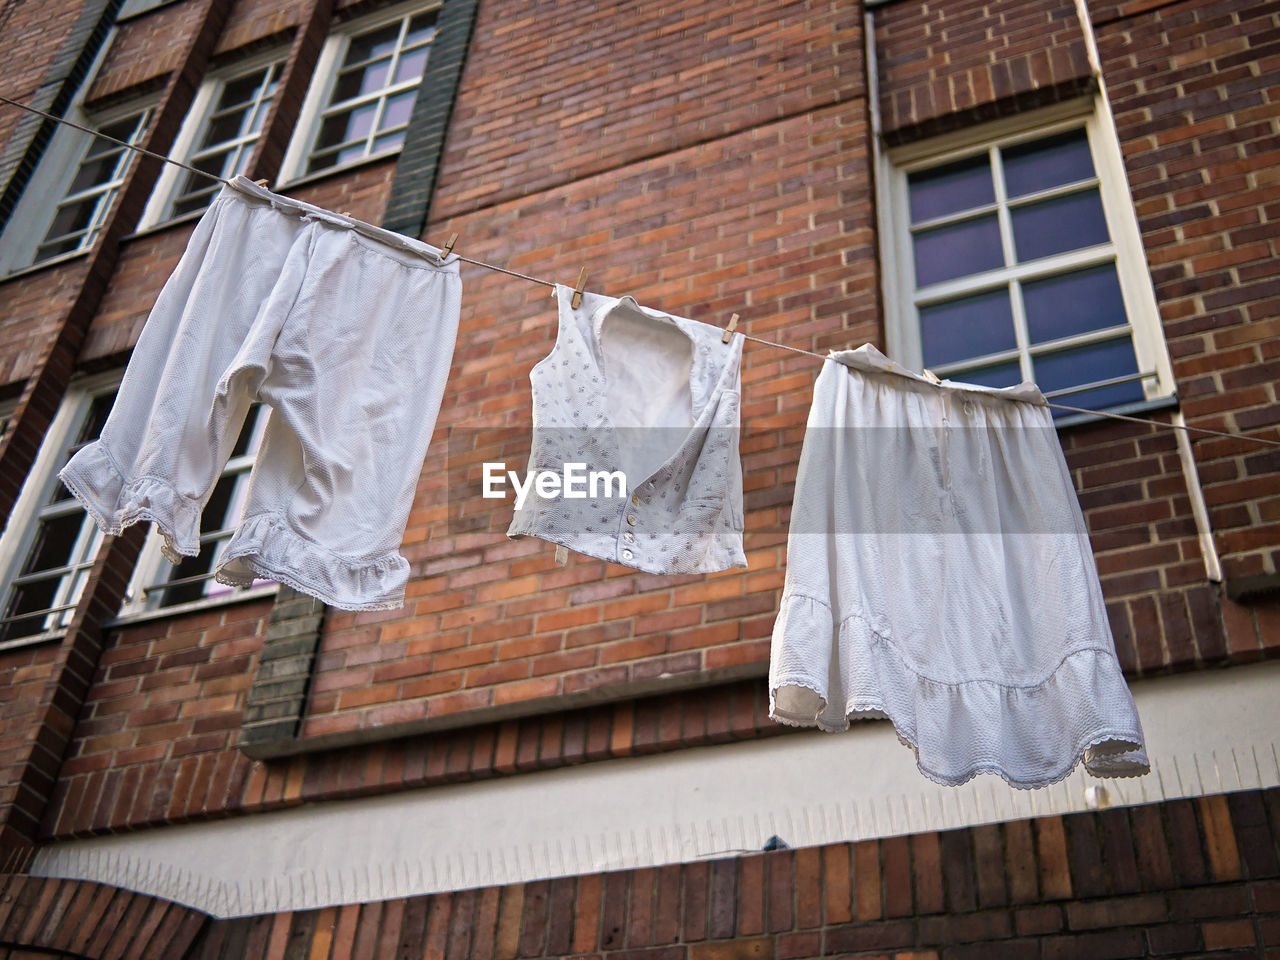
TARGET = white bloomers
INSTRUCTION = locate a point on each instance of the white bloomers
(939, 573)
(347, 334)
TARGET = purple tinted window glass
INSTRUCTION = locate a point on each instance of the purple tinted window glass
(1055, 226)
(957, 250)
(950, 189)
(1072, 303)
(968, 327)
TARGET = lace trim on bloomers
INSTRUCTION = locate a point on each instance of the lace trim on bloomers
(115, 502)
(1030, 736)
(265, 547)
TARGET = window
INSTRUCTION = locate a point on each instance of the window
(1018, 258)
(218, 136)
(371, 74)
(87, 199)
(50, 543)
(161, 584)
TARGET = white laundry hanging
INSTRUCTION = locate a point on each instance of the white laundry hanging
(347, 332)
(655, 398)
(939, 574)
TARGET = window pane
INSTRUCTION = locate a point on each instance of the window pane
(223, 127)
(1072, 303)
(957, 250)
(73, 218)
(421, 28)
(95, 172)
(388, 141)
(1088, 364)
(376, 43)
(196, 566)
(361, 80)
(241, 91)
(994, 375)
(396, 113)
(95, 419)
(950, 189)
(969, 327)
(1046, 163)
(55, 543)
(30, 596)
(90, 430)
(353, 124)
(194, 199)
(411, 65)
(1055, 226)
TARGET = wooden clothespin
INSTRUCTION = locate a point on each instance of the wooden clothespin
(263, 182)
(728, 331)
(931, 376)
(577, 290)
(346, 213)
(448, 247)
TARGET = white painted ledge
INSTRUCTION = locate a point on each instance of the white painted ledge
(1207, 733)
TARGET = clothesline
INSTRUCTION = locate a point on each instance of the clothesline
(1159, 425)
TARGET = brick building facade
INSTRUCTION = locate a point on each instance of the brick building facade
(767, 159)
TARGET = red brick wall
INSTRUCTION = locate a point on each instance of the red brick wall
(155, 740)
(23, 676)
(943, 66)
(538, 107)
(1179, 878)
(33, 34)
(1197, 112)
(492, 622)
(146, 48)
(33, 305)
(770, 218)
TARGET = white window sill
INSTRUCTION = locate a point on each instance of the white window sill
(45, 264)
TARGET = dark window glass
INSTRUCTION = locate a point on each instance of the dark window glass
(1088, 364)
(968, 327)
(1071, 303)
(957, 250)
(1051, 162)
(950, 189)
(1058, 225)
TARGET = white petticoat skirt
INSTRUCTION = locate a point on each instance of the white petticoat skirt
(939, 574)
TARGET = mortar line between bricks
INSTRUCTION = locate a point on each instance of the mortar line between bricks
(658, 154)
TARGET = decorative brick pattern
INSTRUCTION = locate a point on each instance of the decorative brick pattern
(1108, 891)
(943, 66)
(74, 918)
(278, 696)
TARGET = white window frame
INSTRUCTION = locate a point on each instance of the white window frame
(153, 570)
(111, 187)
(19, 532)
(316, 103)
(1125, 246)
(171, 178)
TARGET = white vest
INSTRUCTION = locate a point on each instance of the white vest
(634, 391)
